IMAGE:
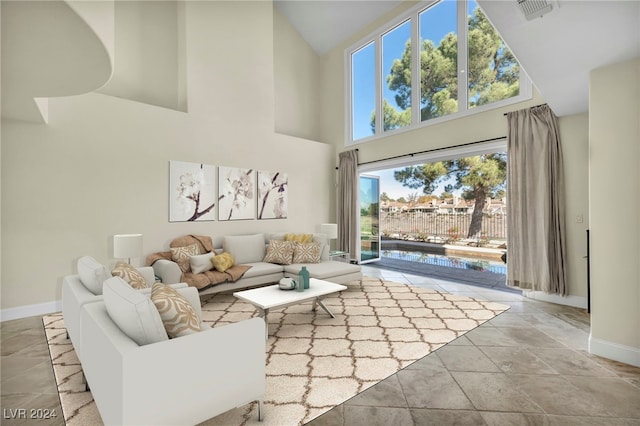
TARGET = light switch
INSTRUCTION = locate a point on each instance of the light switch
(579, 218)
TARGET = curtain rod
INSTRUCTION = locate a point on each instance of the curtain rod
(431, 150)
(535, 106)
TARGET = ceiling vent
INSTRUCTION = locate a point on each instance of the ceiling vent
(534, 8)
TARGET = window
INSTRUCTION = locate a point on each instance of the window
(444, 56)
(363, 90)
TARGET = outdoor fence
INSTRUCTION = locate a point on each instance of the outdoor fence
(440, 228)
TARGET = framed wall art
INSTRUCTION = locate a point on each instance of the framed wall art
(237, 194)
(191, 192)
(273, 190)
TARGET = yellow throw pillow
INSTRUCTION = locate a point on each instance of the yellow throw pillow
(299, 238)
(178, 316)
(130, 275)
(222, 262)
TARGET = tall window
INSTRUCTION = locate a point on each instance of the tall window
(444, 56)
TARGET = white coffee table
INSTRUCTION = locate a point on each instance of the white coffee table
(271, 297)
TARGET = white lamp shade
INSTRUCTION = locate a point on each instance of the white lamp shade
(127, 246)
(330, 230)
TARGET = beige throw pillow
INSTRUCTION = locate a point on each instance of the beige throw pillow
(181, 256)
(280, 252)
(307, 253)
(130, 275)
(178, 316)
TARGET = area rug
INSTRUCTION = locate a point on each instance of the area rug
(314, 362)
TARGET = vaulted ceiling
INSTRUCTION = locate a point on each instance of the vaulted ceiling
(557, 50)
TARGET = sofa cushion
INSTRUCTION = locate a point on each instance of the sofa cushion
(259, 269)
(324, 270)
(133, 312)
(201, 263)
(222, 262)
(280, 252)
(307, 253)
(181, 256)
(92, 274)
(178, 316)
(130, 275)
(245, 248)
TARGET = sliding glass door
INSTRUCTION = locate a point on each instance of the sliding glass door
(369, 218)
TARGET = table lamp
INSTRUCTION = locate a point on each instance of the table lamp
(330, 230)
(127, 245)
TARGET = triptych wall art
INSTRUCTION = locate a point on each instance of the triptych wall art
(242, 194)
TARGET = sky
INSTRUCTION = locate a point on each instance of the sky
(395, 190)
(435, 23)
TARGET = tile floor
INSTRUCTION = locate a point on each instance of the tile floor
(528, 366)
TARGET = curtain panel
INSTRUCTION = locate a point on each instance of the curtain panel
(348, 202)
(536, 243)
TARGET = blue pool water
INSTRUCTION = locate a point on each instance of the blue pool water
(449, 261)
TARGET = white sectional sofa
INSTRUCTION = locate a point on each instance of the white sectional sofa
(185, 380)
(250, 250)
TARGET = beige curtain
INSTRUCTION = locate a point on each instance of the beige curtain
(348, 202)
(536, 257)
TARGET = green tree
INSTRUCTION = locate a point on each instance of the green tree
(478, 177)
(385, 197)
(492, 73)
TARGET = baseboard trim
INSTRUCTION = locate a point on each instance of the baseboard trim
(575, 301)
(614, 351)
(30, 310)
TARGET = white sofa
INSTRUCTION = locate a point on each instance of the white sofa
(184, 380)
(250, 250)
(76, 293)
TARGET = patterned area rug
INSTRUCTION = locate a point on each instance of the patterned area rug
(314, 362)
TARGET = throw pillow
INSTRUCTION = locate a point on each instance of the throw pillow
(92, 274)
(279, 252)
(181, 255)
(130, 275)
(178, 316)
(307, 253)
(299, 238)
(245, 248)
(133, 312)
(222, 262)
(201, 263)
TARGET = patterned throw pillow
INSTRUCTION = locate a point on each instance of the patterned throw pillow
(307, 253)
(299, 238)
(130, 275)
(181, 256)
(178, 316)
(279, 252)
(222, 262)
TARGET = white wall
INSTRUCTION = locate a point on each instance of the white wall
(101, 166)
(297, 91)
(486, 125)
(614, 186)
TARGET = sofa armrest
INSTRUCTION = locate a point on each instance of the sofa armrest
(223, 368)
(168, 271)
(148, 273)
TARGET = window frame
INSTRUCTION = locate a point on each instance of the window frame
(412, 14)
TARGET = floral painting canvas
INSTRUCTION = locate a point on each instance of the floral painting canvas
(237, 195)
(272, 195)
(191, 192)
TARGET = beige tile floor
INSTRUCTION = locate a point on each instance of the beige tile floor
(528, 366)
